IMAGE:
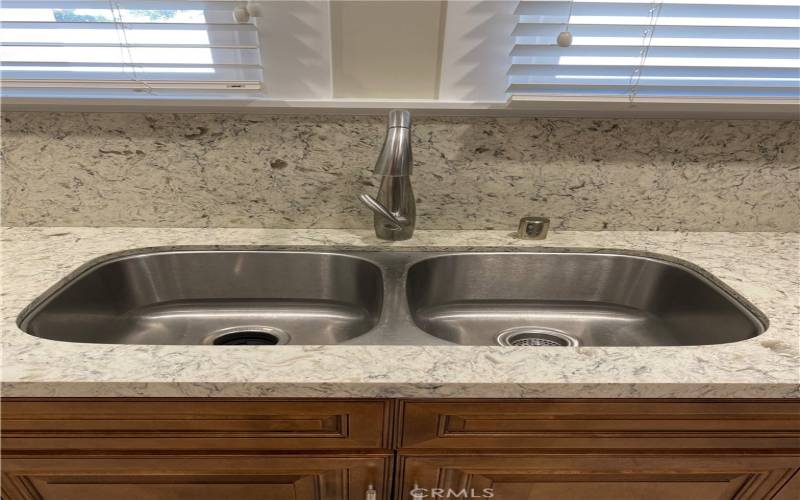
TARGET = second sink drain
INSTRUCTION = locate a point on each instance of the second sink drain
(535, 337)
(251, 336)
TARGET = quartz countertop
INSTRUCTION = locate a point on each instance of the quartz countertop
(764, 268)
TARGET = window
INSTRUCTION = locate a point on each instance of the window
(735, 49)
(150, 46)
(669, 57)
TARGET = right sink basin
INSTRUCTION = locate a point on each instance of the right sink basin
(588, 299)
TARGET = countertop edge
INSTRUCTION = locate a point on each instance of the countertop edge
(679, 390)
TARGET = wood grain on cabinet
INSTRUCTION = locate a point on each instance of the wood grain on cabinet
(269, 449)
(792, 489)
(254, 477)
(600, 424)
(195, 424)
(599, 477)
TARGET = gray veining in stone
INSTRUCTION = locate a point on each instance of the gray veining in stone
(217, 170)
(762, 267)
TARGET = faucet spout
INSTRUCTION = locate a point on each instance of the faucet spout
(394, 208)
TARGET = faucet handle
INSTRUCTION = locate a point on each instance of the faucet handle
(399, 118)
(379, 209)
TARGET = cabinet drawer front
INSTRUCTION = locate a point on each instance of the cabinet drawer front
(171, 477)
(145, 424)
(598, 477)
(606, 424)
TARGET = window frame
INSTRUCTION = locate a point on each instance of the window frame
(281, 73)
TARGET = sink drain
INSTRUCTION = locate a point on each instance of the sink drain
(271, 336)
(534, 336)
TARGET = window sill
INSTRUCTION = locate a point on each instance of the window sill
(534, 106)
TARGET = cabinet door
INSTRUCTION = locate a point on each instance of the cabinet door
(194, 478)
(180, 425)
(597, 477)
(613, 425)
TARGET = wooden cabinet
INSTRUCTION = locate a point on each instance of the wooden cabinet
(598, 477)
(600, 449)
(189, 449)
(325, 449)
(190, 477)
(192, 424)
(600, 425)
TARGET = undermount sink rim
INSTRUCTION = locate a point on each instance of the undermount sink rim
(410, 257)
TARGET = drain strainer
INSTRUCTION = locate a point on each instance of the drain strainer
(535, 336)
(247, 336)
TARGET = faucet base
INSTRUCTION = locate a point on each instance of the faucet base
(386, 232)
(397, 197)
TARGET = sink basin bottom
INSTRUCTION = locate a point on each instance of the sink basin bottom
(588, 324)
(215, 322)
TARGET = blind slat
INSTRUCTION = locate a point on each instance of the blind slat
(600, 30)
(132, 55)
(724, 3)
(123, 4)
(566, 71)
(621, 14)
(663, 36)
(669, 51)
(671, 48)
(672, 92)
(649, 82)
(91, 45)
(751, 10)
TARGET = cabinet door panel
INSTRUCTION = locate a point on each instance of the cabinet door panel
(600, 424)
(190, 424)
(612, 477)
(194, 478)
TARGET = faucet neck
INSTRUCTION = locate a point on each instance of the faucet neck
(399, 118)
(396, 159)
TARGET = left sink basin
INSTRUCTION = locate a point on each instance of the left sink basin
(213, 298)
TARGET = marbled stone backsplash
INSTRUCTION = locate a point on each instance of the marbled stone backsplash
(212, 170)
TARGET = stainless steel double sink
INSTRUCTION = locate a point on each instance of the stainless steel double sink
(274, 297)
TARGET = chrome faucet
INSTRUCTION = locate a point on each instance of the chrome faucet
(395, 212)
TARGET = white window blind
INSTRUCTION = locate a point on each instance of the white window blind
(672, 48)
(145, 45)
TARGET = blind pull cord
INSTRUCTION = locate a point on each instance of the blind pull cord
(565, 37)
(647, 40)
(125, 46)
